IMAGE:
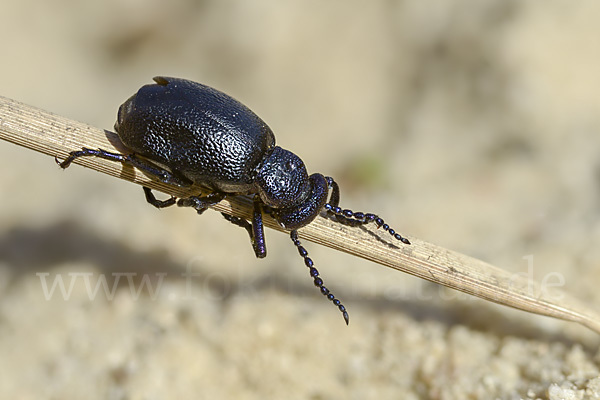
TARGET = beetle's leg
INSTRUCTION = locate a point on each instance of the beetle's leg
(315, 275)
(131, 159)
(258, 230)
(201, 203)
(334, 199)
(168, 177)
(85, 152)
(255, 229)
(158, 203)
(241, 222)
(356, 218)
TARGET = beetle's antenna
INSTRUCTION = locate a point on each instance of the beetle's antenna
(355, 218)
(317, 279)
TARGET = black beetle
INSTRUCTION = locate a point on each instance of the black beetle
(186, 133)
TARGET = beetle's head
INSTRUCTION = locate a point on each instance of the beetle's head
(282, 179)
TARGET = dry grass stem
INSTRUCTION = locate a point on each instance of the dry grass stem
(56, 136)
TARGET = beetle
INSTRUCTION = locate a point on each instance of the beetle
(185, 133)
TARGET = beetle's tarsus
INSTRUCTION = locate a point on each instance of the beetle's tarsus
(84, 152)
(60, 163)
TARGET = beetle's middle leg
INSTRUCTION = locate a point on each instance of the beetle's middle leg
(158, 203)
(201, 203)
(130, 159)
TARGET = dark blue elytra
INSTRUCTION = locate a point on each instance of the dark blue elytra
(185, 133)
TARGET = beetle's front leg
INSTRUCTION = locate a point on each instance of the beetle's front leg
(258, 230)
(255, 229)
(349, 217)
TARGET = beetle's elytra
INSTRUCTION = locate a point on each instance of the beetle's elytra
(186, 133)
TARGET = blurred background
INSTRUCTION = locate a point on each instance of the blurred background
(472, 125)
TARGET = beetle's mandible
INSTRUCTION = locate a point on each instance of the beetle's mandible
(186, 133)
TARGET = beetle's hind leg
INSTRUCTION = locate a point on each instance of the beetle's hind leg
(317, 279)
(352, 218)
(86, 152)
(130, 159)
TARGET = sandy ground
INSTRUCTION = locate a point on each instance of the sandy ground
(473, 125)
